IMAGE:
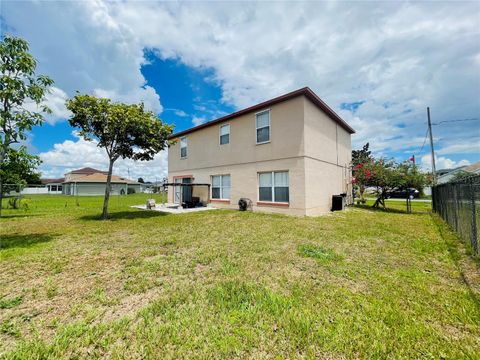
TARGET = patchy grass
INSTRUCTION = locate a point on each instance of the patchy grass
(10, 302)
(227, 284)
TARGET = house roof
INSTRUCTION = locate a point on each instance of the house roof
(101, 178)
(306, 91)
(87, 170)
(52, 181)
(474, 168)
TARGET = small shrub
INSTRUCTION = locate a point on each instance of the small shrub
(14, 203)
(130, 191)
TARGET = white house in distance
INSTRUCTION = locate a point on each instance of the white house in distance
(290, 155)
(88, 182)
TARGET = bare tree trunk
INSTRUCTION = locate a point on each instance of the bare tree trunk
(107, 191)
(380, 200)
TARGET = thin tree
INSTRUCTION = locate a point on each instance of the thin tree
(20, 88)
(123, 130)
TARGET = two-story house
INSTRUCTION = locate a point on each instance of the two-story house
(289, 154)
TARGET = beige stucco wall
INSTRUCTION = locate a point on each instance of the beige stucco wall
(304, 140)
(204, 149)
(328, 153)
(244, 183)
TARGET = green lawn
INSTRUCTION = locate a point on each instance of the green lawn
(223, 284)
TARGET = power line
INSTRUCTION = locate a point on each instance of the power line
(424, 141)
(456, 120)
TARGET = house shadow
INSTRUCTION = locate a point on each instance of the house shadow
(121, 215)
(24, 240)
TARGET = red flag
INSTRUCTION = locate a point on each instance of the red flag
(412, 159)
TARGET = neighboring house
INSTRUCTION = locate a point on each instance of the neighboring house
(446, 175)
(88, 181)
(54, 186)
(46, 186)
(289, 155)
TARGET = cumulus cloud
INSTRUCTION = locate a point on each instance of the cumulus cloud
(71, 155)
(441, 162)
(55, 100)
(82, 47)
(395, 58)
(198, 120)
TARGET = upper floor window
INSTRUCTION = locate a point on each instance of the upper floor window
(224, 134)
(221, 187)
(183, 147)
(273, 186)
(263, 126)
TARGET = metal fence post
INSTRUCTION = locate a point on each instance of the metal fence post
(474, 234)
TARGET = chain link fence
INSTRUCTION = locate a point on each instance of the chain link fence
(458, 203)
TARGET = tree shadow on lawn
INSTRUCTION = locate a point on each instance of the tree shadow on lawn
(391, 210)
(120, 215)
(24, 240)
(19, 215)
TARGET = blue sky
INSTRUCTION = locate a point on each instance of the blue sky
(194, 62)
(188, 98)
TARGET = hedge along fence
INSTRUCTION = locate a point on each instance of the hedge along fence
(458, 203)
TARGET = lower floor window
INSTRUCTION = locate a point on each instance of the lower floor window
(221, 187)
(273, 186)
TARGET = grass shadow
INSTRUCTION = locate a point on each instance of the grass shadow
(22, 215)
(120, 215)
(390, 210)
(453, 242)
(24, 240)
(387, 210)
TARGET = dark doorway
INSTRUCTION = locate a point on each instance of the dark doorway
(186, 190)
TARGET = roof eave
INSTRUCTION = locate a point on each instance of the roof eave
(306, 91)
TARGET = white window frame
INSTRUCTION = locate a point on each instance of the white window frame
(221, 187)
(186, 147)
(220, 134)
(273, 186)
(269, 127)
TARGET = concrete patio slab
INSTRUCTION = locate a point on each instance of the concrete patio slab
(173, 210)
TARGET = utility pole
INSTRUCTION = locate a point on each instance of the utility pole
(431, 146)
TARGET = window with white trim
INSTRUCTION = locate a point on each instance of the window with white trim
(273, 186)
(221, 187)
(183, 147)
(225, 134)
(263, 126)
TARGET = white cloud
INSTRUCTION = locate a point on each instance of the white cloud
(398, 58)
(177, 112)
(198, 120)
(147, 95)
(55, 100)
(64, 157)
(469, 146)
(82, 47)
(441, 162)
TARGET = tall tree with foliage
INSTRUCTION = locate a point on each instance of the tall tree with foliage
(124, 131)
(19, 89)
(359, 157)
(18, 169)
(387, 176)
